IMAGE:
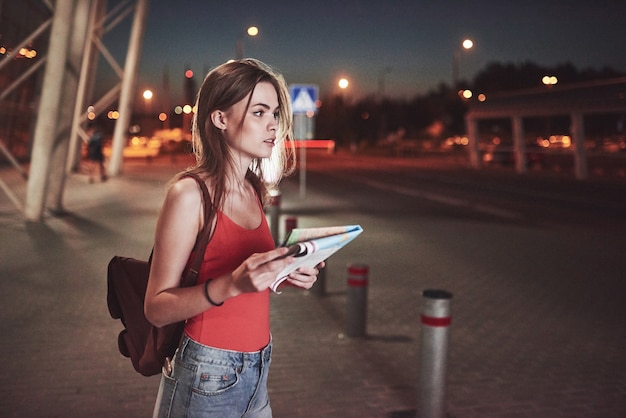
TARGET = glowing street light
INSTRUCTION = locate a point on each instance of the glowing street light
(147, 96)
(466, 94)
(468, 44)
(252, 31)
(343, 83)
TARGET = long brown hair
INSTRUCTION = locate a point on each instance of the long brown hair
(223, 87)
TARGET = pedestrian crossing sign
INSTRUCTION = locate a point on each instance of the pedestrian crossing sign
(303, 98)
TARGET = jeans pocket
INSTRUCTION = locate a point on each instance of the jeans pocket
(215, 378)
(165, 397)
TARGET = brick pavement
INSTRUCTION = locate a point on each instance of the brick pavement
(536, 332)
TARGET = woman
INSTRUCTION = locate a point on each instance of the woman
(241, 132)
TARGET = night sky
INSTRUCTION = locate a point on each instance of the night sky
(410, 43)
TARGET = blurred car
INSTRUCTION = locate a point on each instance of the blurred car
(555, 142)
(613, 144)
(174, 140)
(455, 143)
(138, 146)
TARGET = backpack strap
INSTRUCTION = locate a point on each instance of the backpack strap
(190, 277)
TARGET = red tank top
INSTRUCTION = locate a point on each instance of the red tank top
(242, 322)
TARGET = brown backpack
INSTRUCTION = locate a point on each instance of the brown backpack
(127, 279)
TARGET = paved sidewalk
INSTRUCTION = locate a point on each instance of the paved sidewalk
(547, 339)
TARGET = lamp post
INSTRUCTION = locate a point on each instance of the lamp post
(146, 119)
(456, 60)
(343, 84)
(343, 128)
(381, 82)
(147, 95)
(252, 31)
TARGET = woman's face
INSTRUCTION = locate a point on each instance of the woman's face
(255, 137)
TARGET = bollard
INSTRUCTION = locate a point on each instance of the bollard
(357, 300)
(291, 223)
(433, 355)
(274, 214)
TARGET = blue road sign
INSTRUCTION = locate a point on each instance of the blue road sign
(303, 98)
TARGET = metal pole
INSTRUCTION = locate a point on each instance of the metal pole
(456, 58)
(473, 146)
(521, 163)
(274, 215)
(61, 148)
(356, 322)
(302, 172)
(128, 87)
(86, 81)
(16, 164)
(12, 196)
(23, 77)
(580, 153)
(31, 37)
(300, 133)
(43, 140)
(433, 355)
(239, 48)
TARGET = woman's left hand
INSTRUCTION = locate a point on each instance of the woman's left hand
(305, 277)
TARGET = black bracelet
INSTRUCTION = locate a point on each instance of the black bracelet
(206, 294)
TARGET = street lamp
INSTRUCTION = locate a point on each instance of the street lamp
(467, 44)
(343, 84)
(381, 82)
(252, 31)
(147, 95)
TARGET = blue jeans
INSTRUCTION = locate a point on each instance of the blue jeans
(210, 382)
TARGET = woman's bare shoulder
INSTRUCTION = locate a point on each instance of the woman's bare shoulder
(184, 192)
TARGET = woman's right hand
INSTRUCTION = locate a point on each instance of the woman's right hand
(258, 271)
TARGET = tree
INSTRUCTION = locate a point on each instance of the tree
(370, 119)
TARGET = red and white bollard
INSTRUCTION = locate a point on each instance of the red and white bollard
(356, 317)
(436, 320)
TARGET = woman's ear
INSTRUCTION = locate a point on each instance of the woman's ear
(219, 119)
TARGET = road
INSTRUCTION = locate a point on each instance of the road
(446, 186)
(536, 265)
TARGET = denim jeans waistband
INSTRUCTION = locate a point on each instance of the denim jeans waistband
(193, 350)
